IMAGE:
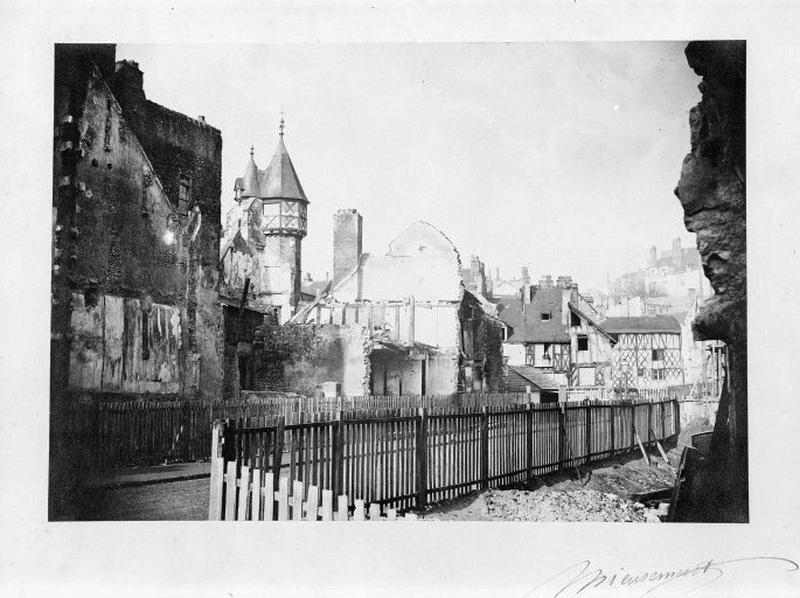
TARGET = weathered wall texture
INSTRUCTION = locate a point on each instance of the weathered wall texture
(712, 190)
(179, 147)
(299, 358)
(108, 336)
(131, 239)
(125, 249)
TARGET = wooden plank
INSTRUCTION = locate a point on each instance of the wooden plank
(358, 512)
(217, 486)
(230, 491)
(641, 447)
(341, 513)
(297, 500)
(244, 493)
(327, 505)
(255, 509)
(484, 447)
(277, 452)
(421, 455)
(374, 512)
(663, 453)
(269, 496)
(283, 500)
(312, 510)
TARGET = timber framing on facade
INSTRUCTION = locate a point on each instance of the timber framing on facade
(648, 352)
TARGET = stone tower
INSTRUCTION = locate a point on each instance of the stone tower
(264, 233)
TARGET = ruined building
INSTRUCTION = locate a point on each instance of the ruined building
(136, 223)
(261, 251)
(406, 324)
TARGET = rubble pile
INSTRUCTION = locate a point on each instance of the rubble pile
(603, 493)
(555, 505)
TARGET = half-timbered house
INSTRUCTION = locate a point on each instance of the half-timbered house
(647, 353)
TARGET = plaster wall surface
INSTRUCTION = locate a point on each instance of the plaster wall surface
(107, 348)
(515, 353)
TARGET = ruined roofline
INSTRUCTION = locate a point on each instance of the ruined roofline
(175, 113)
(115, 103)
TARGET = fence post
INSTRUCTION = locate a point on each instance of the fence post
(650, 432)
(562, 434)
(676, 417)
(588, 431)
(529, 444)
(613, 439)
(277, 453)
(217, 472)
(338, 454)
(484, 447)
(422, 457)
(663, 422)
(633, 425)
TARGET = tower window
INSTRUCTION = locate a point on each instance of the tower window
(184, 190)
(545, 316)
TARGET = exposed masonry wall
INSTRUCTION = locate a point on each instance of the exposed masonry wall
(122, 212)
(300, 357)
(176, 146)
(712, 190)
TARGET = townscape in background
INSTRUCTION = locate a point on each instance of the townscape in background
(156, 294)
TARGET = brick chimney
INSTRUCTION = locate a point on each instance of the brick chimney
(347, 235)
(128, 83)
(564, 282)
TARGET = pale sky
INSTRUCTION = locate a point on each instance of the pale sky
(559, 156)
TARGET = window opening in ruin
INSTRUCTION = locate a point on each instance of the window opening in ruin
(90, 297)
(184, 186)
(545, 316)
(583, 343)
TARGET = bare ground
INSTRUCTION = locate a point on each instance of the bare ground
(602, 494)
(185, 500)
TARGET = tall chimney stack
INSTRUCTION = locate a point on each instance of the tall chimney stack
(347, 235)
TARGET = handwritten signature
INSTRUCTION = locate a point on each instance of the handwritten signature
(582, 578)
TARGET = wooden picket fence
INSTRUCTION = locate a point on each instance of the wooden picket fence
(407, 461)
(246, 494)
(108, 432)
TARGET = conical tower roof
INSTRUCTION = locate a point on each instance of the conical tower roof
(280, 179)
(250, 183)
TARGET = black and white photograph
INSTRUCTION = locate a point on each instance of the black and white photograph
(444, 304)
(487, 290)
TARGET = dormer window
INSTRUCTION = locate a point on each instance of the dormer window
(184, 190)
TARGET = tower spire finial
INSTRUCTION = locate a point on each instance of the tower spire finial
(252, 149)
(283, 122)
